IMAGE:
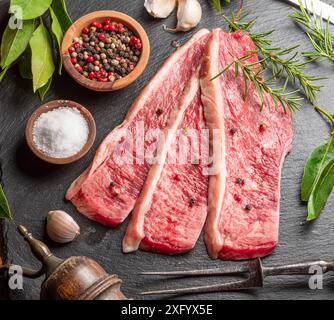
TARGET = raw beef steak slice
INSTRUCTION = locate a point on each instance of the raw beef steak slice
(171, 210)
(108, 189)
(244, 224)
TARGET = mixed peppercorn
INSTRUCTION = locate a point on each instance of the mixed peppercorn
(105, 51)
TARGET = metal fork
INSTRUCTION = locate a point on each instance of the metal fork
(255, 271)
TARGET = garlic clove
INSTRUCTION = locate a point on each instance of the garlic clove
(61, 227)
(160, 8)
(189, 14)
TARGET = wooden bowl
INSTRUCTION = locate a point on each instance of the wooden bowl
(100, 16)
(51, 106)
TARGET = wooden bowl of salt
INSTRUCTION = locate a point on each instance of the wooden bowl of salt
(60, 132)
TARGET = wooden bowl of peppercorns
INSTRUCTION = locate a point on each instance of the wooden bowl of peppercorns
(105, 50)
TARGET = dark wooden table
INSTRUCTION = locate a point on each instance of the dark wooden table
(34, 187)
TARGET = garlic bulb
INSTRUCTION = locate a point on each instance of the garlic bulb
(189, 14)
(160, 8)
(61, 227)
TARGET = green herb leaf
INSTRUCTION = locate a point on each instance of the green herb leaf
(318, 159)
(30, 9)
(317, 31)
(5, 212)
(42, 65)
(217, 5)
(25, 65)
(283, 62)
(3, 73)
(43, 91)
(14, 42)
(58, 33)
(321, 191)
(60, 10)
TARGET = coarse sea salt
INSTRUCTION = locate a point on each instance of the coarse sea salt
(60, 133)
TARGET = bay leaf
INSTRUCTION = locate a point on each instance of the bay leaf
(42, 65)
(25, 65)
(315, 161)
(30, 9)
(322, 189)
(60, 10)
(58, 33)
(14, 42)
(43, 90)
(5, 212)
(3, 73)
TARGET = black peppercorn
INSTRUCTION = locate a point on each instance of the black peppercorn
(175, 44)
(240, 181)
(159, 111)
(192, 202)
(249, 207)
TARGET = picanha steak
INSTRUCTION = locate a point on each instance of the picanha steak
(234, 185)
(243, 217)
(171, 210)
(107, 191)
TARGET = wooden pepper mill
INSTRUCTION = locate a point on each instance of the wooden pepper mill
(75, 278)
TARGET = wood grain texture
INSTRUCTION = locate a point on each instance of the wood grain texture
(35, 187)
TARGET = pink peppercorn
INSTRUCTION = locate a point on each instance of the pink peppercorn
(71, 49)
(76, 45)
(74, 60)
(102, 37)
(85, 30)
(90, 59)
(92, 75)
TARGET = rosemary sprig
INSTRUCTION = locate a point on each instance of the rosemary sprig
(318, 32)
(288, 100)
(283, 62)
(217, 4)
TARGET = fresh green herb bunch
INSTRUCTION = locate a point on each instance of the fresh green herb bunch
(279, 95)
(31, 43)
(318, 32)
(5, 212)
(283, 62)
(318, 178)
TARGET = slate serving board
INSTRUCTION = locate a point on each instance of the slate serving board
(34, 187)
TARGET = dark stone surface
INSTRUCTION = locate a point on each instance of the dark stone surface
(34, 187)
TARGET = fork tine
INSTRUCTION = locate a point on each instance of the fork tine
(227, 270)
(237, 285)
